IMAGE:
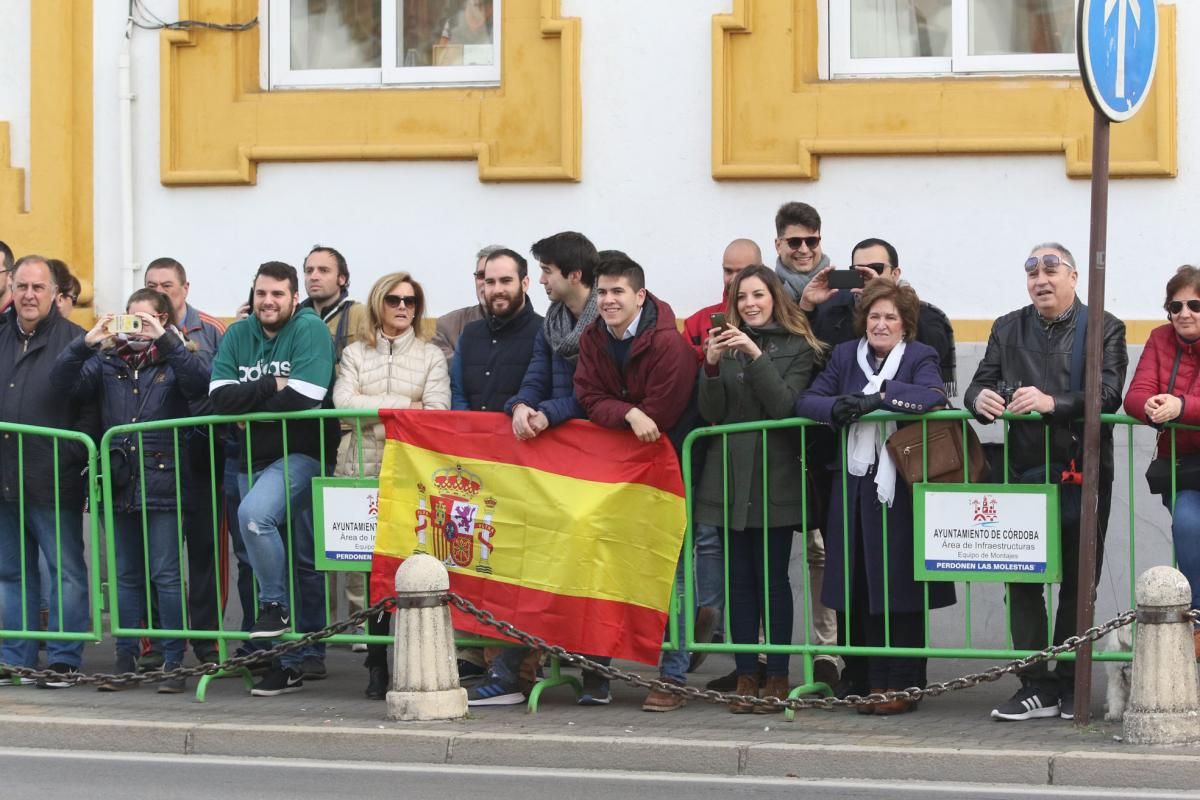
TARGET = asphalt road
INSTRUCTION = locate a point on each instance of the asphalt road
(53, 774)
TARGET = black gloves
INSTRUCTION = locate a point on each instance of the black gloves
(848, 408)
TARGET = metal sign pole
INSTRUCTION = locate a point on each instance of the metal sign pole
(1089, 517)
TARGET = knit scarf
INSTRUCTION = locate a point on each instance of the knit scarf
(865, 440)
(563, 331)
(796, 281)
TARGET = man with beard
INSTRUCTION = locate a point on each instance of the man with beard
(451, 324)
(327, 281)
(494, 352)
(276, 360)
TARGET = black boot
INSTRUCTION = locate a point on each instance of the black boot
(378, 682)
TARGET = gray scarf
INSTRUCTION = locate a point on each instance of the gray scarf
(796, 281)
(563, 330)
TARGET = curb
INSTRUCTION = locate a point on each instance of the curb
(441, 745)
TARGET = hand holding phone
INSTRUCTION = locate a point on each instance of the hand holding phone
(845, 279)
(717, 320)
(126, 323)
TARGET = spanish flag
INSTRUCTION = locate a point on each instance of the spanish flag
(572, 536)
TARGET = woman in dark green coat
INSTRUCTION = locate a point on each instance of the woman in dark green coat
(754, 368)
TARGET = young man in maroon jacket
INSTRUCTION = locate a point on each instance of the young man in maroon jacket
(635, 371)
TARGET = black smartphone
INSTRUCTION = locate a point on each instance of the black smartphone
(716, 320)
(845, 279)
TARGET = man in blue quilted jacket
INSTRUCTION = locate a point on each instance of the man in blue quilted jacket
(547, 394)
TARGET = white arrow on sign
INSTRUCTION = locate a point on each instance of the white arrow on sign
(1130, 6)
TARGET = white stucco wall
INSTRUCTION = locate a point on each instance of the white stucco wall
(962, 223)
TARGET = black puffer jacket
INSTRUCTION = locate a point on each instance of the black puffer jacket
(1025, 350)
(491, 360)
(26, 397)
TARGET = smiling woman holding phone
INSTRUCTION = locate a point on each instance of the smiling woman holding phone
(755, 366)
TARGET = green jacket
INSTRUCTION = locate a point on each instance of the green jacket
(749, 391)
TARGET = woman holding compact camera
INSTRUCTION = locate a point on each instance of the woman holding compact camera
(885, 369)
(1166, 388)
(147, 372)
(754, 368)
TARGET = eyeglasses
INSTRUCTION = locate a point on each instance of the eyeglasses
(1051, 262)
(1175, 306)
(877, 267)
(394, 300)
(74, 298)
(794, 242)
(479, 274)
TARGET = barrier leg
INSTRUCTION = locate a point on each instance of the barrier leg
(555, 678)
(810, 686)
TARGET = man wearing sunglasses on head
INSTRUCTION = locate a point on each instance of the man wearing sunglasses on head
(798, 243)
(451, 324)
(1034, 363)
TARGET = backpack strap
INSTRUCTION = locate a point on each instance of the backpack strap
(339, 338)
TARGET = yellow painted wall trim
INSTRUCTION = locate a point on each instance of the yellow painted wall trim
(772, 121)
(217, 125)
(58, 221)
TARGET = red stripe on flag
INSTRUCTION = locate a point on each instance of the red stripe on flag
(579, 624)
(589, 452)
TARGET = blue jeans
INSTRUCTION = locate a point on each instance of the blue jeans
(1185, 531)
(245, 575)
(261, 516)
(710, 570)
(39, 537)
(674, 663)
(748, 584)
(162, 541)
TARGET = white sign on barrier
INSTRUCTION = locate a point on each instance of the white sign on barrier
(345, 513)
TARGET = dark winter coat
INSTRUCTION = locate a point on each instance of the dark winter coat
(548, 385)
(27, 398)
(1022, 349)
(916, 388)
(749, 391)
(491, 360)
(159, 390)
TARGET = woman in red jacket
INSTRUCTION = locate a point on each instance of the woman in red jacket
(1166, 388)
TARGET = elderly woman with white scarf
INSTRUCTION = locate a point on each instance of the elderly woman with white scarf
(869, 577)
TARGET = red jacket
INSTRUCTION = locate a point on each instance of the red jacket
(1152, 376)
(695, 327)
(659, 377)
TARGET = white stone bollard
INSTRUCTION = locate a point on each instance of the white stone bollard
(1164, 698)
(425, 675)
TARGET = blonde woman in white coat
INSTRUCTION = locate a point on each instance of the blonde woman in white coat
(395, 368)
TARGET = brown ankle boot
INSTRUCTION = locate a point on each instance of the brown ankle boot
(777, 686)
(746, 685)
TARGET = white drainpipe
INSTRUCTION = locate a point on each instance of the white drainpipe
(129, 265)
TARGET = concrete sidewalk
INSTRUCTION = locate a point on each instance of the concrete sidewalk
(949, 738)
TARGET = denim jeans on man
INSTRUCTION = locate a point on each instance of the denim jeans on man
(674, 663)
(39, 537)
(161, 539)
(263, 518)
(710, 569)
(1185, 532)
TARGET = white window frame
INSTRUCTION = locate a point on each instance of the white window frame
(279, 74)
(842, 65)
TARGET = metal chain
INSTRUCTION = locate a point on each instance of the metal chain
(605, 670)
(797, 703)
(237, 662)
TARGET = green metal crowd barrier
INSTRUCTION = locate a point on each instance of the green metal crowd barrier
(966, 646)
(27, 548)
(208, 430)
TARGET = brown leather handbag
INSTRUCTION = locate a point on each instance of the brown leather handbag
(945, 447)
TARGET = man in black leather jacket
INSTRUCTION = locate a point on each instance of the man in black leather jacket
(1028, 367)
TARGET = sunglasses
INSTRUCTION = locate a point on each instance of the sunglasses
(877, 267)
(794, 242)
(394, 300)
(1175, 306)
(1051, 262)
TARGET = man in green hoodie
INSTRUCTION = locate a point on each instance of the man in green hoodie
(279, 359)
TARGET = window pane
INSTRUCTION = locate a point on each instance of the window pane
(443, 33)
(899, 28)
(335, 34)
(1001, 27)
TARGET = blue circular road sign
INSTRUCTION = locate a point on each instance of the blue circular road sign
(1118, 51)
